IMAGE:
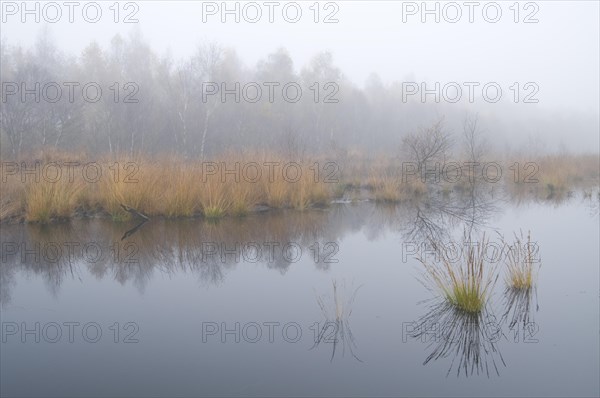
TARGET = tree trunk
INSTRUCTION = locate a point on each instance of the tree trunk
(206, 120)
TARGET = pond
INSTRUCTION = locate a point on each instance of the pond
(324, 302)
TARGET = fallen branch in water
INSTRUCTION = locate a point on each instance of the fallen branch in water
(134, 212)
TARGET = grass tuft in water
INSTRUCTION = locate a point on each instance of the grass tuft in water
(464, 283)
(520, 259)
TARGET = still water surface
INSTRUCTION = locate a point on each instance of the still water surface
(248, 307)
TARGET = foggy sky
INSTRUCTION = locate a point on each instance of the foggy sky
(560, 53)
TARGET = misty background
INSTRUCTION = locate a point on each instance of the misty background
(364, 61)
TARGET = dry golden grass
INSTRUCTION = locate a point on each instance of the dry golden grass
(10, 209)
(275, 191)
(308, 192)
(393, 188)
(12, 199)
(320, 193)
(386, 189)
(140, 186)
(560, 173)
(214, 197)
(175, 187)
(553, 174)
(180, 190)
(45, 201)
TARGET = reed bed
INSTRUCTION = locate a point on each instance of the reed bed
(214, 198)
(172, 186)
(181, 191)
(139, 184)
(46, 201)
(553, 175)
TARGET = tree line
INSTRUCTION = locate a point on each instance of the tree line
(127, 99)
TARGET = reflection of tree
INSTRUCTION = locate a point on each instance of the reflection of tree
(468, 339)
(522, 194)
(174, 246)
(381, 217)
(592, 201)
(7, 282)
(434, 218)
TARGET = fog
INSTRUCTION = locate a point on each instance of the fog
(309, 198)
(374, 59)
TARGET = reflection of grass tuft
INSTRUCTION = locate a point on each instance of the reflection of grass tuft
(336, 328)
(469, 339)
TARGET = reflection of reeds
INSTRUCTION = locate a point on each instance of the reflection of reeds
(465, 283)
(519, 305)
(336, 327)
(470, 339)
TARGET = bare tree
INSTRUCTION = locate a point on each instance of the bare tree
(476, 145)
(206, 62)
(324, 77)
(182, 99)
(428, 145)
